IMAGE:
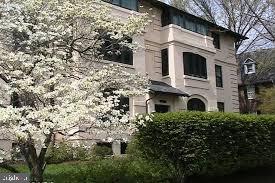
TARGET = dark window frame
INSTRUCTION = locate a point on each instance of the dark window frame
(219, 76)
(194, 65)
(162, 107)
(220, 106)
(172, 16)
(216, 40)
(195, 104)
(120, 4)
(124, 102)
(165, 62)
(124, 57)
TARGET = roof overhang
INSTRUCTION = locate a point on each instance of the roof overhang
(158, 87)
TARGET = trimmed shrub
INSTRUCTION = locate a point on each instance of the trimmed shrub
(208, 143)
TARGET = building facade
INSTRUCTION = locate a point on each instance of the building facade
(191, 62)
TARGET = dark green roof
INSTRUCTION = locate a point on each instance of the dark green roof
(159, 87)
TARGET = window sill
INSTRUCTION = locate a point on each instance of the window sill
(166, 77)
(195, 78)
(220, 88)
(249, 73)
(187, 31)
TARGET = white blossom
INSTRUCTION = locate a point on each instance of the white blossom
(50, 60)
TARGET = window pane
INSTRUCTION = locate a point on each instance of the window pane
(165, 62)
(216, 40)
(221, 106)
(124, 104)
(219, 79)
(251, 92)
(190, 25)
(194, 65)
(204, 68)
(201, 29)
(162, 108)
(181, 21)
(130, 4)
(116, 2)
(114, 52)
(166, 17)
(175, 19)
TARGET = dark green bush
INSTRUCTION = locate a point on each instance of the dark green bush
(208, 143)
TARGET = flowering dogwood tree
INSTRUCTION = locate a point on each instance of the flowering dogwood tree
(50, 53)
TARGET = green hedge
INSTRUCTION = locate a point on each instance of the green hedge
(208, 143)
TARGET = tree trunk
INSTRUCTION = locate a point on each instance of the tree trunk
(37, 174)
(181, 179)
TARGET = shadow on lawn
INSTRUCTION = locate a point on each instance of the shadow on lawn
(257, 175)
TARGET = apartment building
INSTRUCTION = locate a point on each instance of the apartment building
(191, 62)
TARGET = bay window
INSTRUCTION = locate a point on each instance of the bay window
(170, 16)
(194, 65)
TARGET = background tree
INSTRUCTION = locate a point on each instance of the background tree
(261, 79)
(254, 19)
(180, 4)
(267, 98)
(266, 21)
(49, 53)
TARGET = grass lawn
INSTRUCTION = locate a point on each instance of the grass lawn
(111, 170)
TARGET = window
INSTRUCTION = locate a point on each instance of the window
(249, 66)
(123, 147)
(201, 29)
(221, 106)
(114, 52)
(216, 40)
(219, 80)
(162, 108)
(170, 16)
(129, 4)
(103, 149)
(195, 104)
(250, 92)
(124, 104)
(194, 65)
(190, 25)
(165, 62)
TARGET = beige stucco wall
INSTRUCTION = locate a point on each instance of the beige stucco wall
(179, 40)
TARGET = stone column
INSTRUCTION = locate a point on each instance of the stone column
(116, 147)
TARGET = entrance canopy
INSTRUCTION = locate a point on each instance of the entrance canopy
(159, 87)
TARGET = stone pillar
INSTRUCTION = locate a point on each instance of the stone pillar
(116, 147)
